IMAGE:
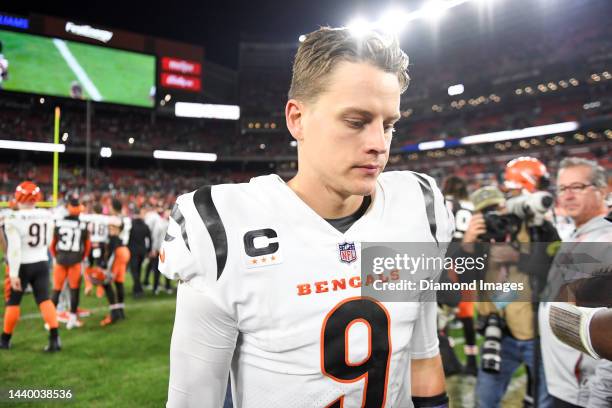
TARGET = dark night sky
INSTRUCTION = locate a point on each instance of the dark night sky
(217, 25)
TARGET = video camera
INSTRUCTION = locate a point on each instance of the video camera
(500, 226)
(531, 207)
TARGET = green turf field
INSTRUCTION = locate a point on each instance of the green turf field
(122, 365)
(36, 66)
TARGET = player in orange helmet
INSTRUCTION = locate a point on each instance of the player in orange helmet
(526, 174)
(28, 232)
(70, 246)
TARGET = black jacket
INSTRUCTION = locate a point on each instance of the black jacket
(140, 237)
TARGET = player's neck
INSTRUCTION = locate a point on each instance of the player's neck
(329, 204)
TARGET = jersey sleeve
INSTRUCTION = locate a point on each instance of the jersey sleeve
(445, 219)
(175, 259)
(424, 343)
(186, 249)
(13, 242)
(201, 350)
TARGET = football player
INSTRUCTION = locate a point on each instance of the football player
(28, 233)
(97, 224)
(70, 246)
(258, 260)
(76, 90)
(119, 256)
(526, 175)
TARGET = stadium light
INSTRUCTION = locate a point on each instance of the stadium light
(520, 133)
(177, 155)
(393, 21)
(32, 146)
(302, 38)
(359, 27)
(106, 152)
(434, 144)
(456, 89)
(204, 110)
(433, 10)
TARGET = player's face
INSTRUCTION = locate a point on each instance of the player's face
(582, 205)
(347, 131)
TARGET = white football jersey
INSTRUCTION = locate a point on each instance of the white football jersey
(266, 291)
(28, 235)
(4, 213)
(98, 227)
(126, 227)
(462, 211)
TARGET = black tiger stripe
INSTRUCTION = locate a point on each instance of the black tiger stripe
(430, 207)
(177, 216)
(210, 216)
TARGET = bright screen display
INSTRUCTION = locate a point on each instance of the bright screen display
(51, 66)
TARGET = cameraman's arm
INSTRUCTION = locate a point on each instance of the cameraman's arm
(476, 227)
(470, 246)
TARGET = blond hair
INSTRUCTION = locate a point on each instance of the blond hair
(323, 49)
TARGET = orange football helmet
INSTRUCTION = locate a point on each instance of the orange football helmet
(27, 193)
(98, 276)
(526, 173)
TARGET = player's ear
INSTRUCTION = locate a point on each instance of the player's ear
(294, 116)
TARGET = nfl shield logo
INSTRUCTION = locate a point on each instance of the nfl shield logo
(348, 253)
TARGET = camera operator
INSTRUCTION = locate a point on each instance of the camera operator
(575, 378)
(508, 324)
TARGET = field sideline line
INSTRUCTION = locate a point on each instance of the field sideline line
(30, 316)
(77, 69)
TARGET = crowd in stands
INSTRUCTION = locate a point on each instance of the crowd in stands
(481, 166)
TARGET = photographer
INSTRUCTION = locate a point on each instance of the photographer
(509, 243)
